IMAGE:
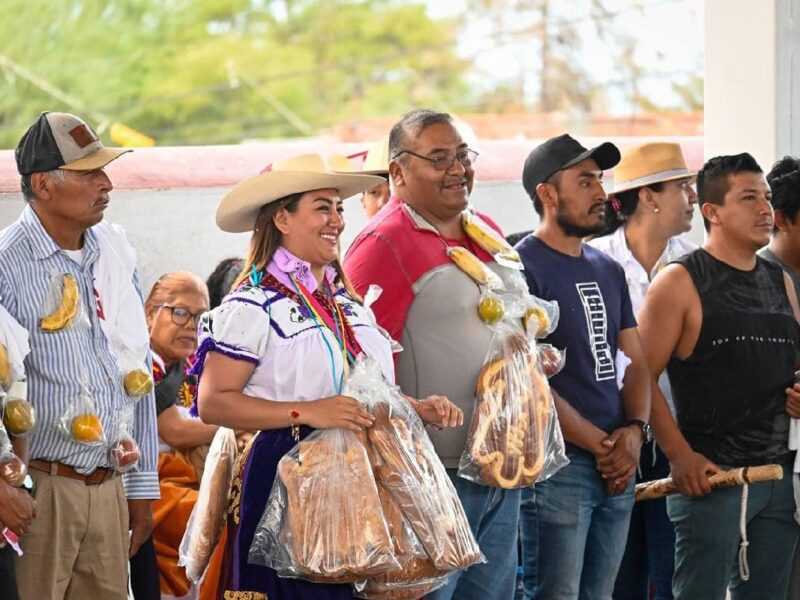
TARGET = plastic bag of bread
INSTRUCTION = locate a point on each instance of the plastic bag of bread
(412, 473)
(514, 438)
(208, 515)
(323, 520)
(418, 575)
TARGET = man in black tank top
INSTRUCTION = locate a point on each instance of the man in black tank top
(722, 321)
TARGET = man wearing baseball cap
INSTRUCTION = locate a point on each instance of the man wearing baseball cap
(60, 270)
(581, 514)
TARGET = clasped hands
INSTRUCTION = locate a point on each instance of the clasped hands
(617, 457)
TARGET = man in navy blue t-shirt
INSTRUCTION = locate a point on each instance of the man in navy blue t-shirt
(581, 514)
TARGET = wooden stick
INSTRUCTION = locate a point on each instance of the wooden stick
(664, 487)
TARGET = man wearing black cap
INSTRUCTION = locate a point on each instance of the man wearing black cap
(71, 282)
(582, 512)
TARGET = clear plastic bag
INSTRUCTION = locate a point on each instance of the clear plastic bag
(541, 316)
(551, 359)
(64, 306)
(137, 378)
(475, 268)
(514, 438)
(491, 241)
(314, 526)
(12, 469)
(418, 575)
(80, 421)
(19, 416)
(8, 374)
(412, 473)
(208, 515)
(123, 451)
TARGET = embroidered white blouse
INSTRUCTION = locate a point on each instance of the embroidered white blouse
(264, 326)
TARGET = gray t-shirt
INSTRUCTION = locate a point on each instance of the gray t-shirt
(770, 256)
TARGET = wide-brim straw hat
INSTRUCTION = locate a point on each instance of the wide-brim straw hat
(239, 208)
(376, 160)
(648, 164)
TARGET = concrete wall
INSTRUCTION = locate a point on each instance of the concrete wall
(752, 78)
(175, 229)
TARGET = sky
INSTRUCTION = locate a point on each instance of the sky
(669, 43)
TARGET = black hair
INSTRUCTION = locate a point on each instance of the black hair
(713, 181)
(554, 179)
(626, 203)
(221, 279)
(784, 180)
(412, 124)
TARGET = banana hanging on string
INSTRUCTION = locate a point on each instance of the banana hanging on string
(66, 309)
(474, 267)
(487, 239)
(5, 369)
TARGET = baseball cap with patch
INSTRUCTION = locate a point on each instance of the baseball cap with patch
(62, 141)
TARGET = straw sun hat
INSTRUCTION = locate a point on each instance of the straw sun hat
(650, 163)
(239, 208)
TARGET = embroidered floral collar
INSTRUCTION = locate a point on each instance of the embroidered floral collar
(284, 264)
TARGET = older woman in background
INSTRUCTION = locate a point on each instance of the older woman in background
(172, 310)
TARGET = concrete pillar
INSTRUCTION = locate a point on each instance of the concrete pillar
(752, 78)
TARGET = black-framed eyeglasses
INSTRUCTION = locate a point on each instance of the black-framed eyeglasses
(180, 315)
(444, 162)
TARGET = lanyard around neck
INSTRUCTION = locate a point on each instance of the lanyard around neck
(334, 323)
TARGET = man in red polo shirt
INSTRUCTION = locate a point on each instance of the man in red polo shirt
(430, 306)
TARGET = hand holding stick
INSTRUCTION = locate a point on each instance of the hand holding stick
(664, 487)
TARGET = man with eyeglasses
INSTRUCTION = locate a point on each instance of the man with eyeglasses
(430, 306)
(71, 282)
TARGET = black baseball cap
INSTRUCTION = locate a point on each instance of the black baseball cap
(62, 141)
(560, 153)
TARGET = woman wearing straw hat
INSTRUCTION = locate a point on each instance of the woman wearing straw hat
(273, 355)
(652, 203)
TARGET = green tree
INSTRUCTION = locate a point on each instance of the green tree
(219, 71)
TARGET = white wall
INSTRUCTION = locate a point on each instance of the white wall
(752, 78)
(175, 229)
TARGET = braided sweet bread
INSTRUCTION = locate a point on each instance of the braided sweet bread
(507, 444)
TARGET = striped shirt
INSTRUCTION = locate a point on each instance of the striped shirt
(60, 361)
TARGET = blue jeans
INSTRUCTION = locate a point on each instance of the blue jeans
(581, 533)
(650, 553)
(493, 516)
(707, 542)
(529, 538)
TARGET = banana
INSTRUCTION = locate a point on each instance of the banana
(5, 369)
(474, 267)
(486, 238)
(67, 308)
